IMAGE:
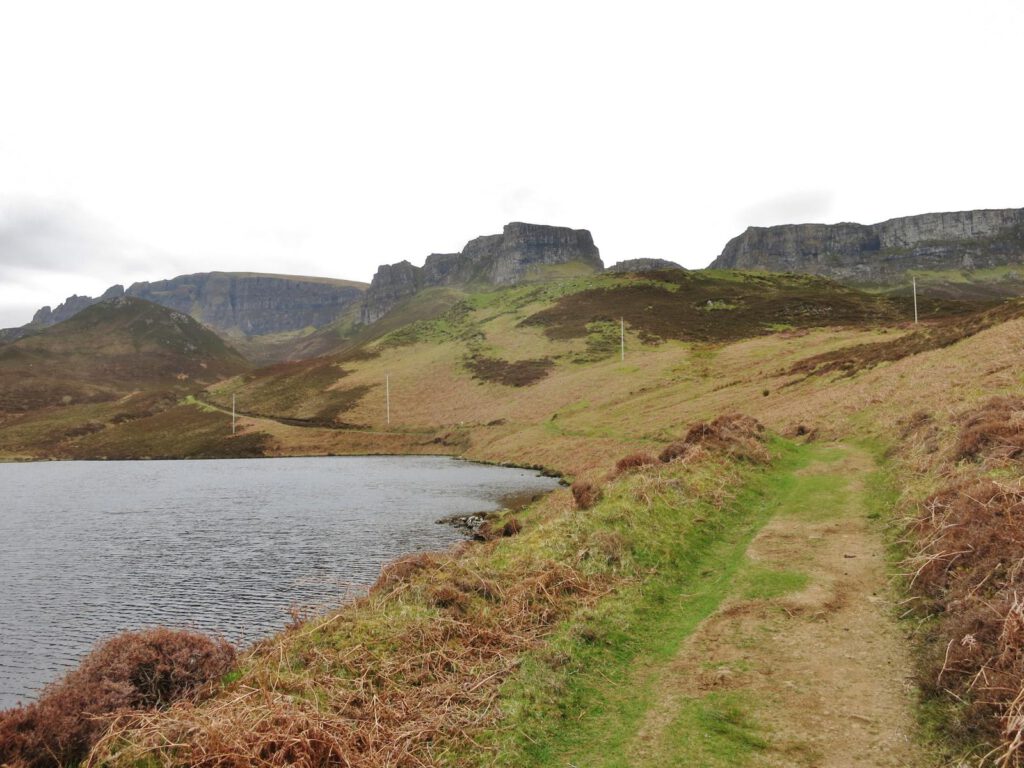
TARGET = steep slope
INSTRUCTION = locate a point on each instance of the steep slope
(882, 253)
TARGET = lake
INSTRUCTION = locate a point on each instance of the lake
(88, 549)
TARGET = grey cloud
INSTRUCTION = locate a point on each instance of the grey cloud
(52, 236)
(794, 208)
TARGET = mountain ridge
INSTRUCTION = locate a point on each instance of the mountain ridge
(882, 252)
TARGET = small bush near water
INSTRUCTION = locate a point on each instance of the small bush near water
(132, 671)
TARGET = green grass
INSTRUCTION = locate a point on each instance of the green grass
(582, 700)
(756, 583)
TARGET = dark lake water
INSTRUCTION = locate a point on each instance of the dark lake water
(91, 548)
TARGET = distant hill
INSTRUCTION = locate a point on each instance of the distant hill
(108, 350)
(262, 312)
(956, 248)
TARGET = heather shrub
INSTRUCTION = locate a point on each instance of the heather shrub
(131, 671)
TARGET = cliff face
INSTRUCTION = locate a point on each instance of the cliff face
(879, 253)
(231, 303)
(517, 254)
(252, 305)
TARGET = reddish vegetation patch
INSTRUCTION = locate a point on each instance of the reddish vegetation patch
(850, 360)
(132, 671)
(634, 461)
(585, 494)
(993, 432)
(707, 308)
(521, 373)
(968, 572)
(734, 434)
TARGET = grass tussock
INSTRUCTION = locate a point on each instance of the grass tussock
(133, 671)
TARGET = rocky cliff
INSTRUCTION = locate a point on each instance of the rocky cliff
(519, 253)
(246, 304)
(880, 253)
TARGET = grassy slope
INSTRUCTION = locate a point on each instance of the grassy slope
(113, 368)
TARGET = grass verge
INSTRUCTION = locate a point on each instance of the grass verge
(580, 699)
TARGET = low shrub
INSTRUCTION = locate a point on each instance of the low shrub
(132, 671)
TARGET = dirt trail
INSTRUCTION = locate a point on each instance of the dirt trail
(821, 671)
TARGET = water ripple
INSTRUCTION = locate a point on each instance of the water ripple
(88, 549)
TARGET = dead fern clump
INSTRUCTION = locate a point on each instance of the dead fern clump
(584, 494)
(993, 432)
(971, 536)
(393, 680)
(733, 434)
(969, 570)
(145, 670)
(633, 461)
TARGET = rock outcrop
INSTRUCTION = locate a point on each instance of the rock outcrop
(881, 253)
(71, 306)
(236, 304)
(643, 265)
(518, 254)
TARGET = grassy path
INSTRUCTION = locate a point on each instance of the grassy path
(783, 653)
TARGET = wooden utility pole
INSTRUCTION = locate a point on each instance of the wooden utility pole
(387, 396)
(622, 339)
(232, 414)
(914, 279)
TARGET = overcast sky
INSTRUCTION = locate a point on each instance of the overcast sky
(142, 140)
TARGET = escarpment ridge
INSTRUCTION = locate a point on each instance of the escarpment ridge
(880, 253)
